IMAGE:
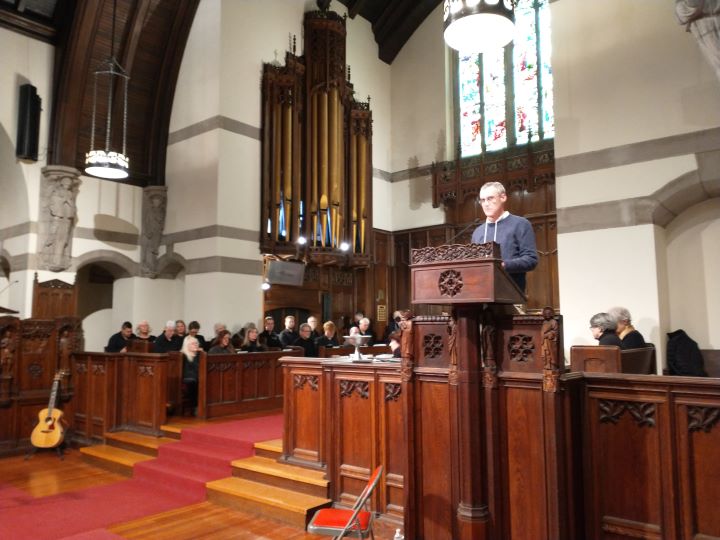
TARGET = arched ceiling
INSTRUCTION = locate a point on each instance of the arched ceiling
(150, 38)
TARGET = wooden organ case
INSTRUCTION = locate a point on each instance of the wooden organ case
(316, 152)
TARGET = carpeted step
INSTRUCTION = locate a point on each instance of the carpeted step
(270, 472)
(113, 458)
(136, 442)
(172, 431)
(269, 449)
(215, 460)
(218, 440)
(188, 480)
(284, 505)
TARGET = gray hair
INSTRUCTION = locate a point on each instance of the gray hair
(305, 326)
(497, 186)
(603, 321)
(186, 347)
(620, 314)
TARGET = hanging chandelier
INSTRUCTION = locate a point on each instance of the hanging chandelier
(476, 26)
(106, 162)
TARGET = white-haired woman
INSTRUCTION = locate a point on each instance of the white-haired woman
(630, 337)
(191, 359)
(602, 327)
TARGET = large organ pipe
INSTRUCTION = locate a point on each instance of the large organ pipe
(336, 184)
(332, 158)
(362, 187)
(276, 164)
(312, 115)
(290, 224)
(323, 163)
(353, 182)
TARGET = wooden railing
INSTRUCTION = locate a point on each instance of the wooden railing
(137, 391)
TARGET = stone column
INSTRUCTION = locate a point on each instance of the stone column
(153, 223)
(59, 187)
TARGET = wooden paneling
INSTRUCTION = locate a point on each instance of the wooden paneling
(304, 400)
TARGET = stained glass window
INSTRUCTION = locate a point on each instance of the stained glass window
(505, 96)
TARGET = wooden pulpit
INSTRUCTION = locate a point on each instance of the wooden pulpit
(486, 450)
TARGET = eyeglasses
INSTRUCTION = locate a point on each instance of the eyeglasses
(489, 199)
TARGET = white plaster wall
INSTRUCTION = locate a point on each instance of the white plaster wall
(154, 300)
(233, 299)
(238, 181)
(606, 268)
(110, 206)
(23, 60)
(192, 180)
(631, 74)
(693, 266)
(97, 329)
(197, 93)
(623, 182)
(382, 204)
(412, 204)
(418, 97)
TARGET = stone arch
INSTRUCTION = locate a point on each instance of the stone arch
(170, 265)
(117, 264)
(688, 189)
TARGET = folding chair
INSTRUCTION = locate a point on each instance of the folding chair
(339, 523)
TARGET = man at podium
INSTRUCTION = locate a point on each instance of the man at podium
(514, 233)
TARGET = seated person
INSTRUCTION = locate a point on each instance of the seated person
(250, 342)
(394, 341)
(168, 340)
(119, 342)
(217, 328)
(142, 332)
(193, 329)
(392, 326)
(630, 338)
(180, 329)
(602, 327)
(364, 326)
(305, 341)
(190, 362)
(313, 322)
(289, 335)
(328, 338)
(223, 345)
(268, 337)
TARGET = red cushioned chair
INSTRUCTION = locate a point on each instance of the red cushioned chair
(355, 523)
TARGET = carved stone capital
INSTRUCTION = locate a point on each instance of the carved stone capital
(154, 209)
(59, 187)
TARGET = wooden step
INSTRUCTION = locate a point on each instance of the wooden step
(269, 449)
(113, 458)
(172, 431)
(272, 502)
(270, 472)
(136, 442)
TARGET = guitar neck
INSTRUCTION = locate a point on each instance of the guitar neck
(53, 396)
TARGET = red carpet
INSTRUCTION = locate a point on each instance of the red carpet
(177, 478)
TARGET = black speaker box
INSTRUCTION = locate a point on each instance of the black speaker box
(28, 131)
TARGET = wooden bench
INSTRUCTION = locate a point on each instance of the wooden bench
(711, 359)
(611, 359)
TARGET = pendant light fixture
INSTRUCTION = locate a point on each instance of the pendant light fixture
(476, 26)
(107, 162)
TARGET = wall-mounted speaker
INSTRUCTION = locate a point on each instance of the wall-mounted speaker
(285, 273)
(28, 131)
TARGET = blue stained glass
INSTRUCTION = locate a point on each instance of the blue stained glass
(494, 92)
(470, 116)
(546, 72)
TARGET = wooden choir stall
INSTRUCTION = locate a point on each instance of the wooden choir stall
(484, 433)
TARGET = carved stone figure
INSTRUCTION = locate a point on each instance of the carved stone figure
(702, 18)
(549, 334)
(58, 193)
(153, 224)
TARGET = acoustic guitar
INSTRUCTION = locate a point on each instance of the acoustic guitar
(50, 430)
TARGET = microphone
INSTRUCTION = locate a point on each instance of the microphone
(474, 223)
(9, 284)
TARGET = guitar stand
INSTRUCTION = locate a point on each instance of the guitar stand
(59, 450)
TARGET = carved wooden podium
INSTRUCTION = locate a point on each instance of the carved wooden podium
(487, 449)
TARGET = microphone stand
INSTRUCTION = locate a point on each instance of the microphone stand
(474, 223)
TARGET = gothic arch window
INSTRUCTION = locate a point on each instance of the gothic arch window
(505, 97)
